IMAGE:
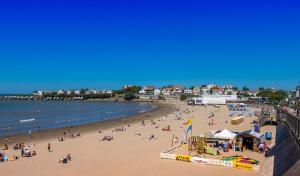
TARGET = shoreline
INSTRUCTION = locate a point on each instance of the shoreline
(54, 133)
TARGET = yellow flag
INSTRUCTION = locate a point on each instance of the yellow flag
(189, 122)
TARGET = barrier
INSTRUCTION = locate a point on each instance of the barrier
(243, 166)
(168, 156)
(206, 161)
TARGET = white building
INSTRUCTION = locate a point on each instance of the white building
(210, 86)
(107, 91)
(298, 92)
(188, 92)
(196, 91)
(157, 92)
(230, 92)
(205, 91)
(214, 99)
(60, 92)
(166, 91)
(77, 92)
(39, 93)
(142, 92)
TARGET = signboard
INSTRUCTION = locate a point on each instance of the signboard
(183, 158)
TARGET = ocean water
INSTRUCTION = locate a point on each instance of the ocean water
(21, 116)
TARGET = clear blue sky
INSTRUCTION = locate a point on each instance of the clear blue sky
(105, 44)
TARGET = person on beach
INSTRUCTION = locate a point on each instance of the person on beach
(29, 133)
(49, 147)
(69, 157)
(22, 151)
(7, 140)
(65, 160)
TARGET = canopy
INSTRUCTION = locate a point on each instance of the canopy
(225, 134)
(251, 133)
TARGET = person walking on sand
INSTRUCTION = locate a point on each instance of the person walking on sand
(49, 147)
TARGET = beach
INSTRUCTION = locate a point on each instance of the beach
(130, 152)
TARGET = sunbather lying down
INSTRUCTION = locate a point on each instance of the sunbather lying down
(168, 128)
(65, 160)
(152, 137)
(138, 134)
(120, 129)
(107, 138)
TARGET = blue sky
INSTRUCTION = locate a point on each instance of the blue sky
(105, 44)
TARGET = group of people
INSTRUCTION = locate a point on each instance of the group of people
(27, 153)
(223, 146)
(65, 160)
(107, 138)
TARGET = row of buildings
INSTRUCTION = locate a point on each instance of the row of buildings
(210, 89)
(73, 92)
(172, 90)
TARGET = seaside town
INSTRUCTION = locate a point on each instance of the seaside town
(194, 94)
(218, 129)
(151, 88)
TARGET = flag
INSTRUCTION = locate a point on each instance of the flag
(189, 129)
(189, 122)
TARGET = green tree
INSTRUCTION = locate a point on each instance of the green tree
(183, 97)
(245, 89)
(261, 89)
(129, 97)
(273, 96)
(82, 91)
(235, 88)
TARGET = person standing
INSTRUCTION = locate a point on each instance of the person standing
(29, 133)
(49, 147)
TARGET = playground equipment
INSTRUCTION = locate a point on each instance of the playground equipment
(199, 144)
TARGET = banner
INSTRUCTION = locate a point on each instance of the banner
(242, 166)
(183, 158)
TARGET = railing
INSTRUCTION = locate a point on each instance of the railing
(292, 121)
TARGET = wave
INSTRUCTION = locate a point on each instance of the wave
(27, 120)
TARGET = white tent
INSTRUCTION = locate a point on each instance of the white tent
(225, 134)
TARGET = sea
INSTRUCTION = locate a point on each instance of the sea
(19, 116)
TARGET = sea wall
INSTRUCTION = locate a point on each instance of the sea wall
(287, 150)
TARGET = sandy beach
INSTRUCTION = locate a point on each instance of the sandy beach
(130, 152)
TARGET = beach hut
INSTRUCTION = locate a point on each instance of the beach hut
(225, 134)
(249, 140)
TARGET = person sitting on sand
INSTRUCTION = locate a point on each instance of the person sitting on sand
(120, 129)
(60, 139)
(107, 138)
(69, 157)
(27, 153)
(65, 160)
(153, 122)
(5, 147)
(1, 157)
